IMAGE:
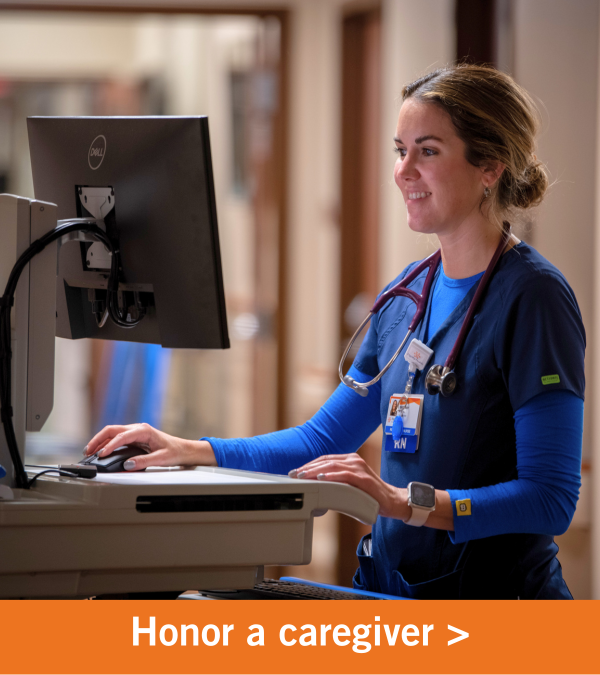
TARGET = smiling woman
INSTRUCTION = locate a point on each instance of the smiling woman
(468, 508)
(497, 121)
(468, 158)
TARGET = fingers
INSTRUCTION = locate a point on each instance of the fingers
(157, 458)
(136, 433)
(329, 463)
(362, 481)
(350, 469)
(333, 458)
(102, 438)
(320, 461)
(353, 470)
(114, 436)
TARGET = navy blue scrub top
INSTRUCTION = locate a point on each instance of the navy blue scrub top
(527, 338)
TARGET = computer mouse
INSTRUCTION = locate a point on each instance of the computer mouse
(113, 463)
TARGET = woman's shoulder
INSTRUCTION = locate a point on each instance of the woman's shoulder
(524, 270)
(530, 290)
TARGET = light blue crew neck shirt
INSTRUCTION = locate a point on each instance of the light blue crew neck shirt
(446, 295)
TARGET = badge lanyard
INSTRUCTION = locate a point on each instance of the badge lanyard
(405, 410)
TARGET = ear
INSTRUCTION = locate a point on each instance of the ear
(491, 173)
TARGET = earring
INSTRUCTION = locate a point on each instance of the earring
(486, 192)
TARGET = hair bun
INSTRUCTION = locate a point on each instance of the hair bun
(530, 188)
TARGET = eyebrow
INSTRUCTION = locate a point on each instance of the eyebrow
(421, 139)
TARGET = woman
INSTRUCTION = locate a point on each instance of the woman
(501, 457)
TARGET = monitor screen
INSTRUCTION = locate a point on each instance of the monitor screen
(151, 180)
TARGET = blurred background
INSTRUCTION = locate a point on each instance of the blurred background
(302, 98)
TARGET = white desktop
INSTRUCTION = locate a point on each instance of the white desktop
(160, 530)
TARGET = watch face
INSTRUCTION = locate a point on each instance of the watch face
(422, 494)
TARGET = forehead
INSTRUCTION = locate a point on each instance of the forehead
(422, 119)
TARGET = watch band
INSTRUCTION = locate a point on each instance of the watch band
(418, 517)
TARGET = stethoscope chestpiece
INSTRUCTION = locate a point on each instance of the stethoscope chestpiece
(353, 384)
(440, 380)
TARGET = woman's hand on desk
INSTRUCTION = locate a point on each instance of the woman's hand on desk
(393, 501)
(353, 470)
(165, 450)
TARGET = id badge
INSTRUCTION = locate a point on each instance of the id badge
(409, 441)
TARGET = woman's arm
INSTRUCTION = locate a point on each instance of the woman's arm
(542, 500)
(549, 430)
(342, 425)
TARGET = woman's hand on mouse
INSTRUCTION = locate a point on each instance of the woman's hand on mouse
(165, 450)
(353, 470)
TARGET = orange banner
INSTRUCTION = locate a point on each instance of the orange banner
(189, 636)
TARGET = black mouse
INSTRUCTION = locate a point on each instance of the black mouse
(113, 463)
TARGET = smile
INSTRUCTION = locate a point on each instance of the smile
(418, 195)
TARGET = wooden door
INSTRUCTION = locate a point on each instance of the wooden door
(361, 68)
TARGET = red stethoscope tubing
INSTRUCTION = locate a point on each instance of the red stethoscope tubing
(420, 301)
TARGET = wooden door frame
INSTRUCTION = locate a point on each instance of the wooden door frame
(359, 214)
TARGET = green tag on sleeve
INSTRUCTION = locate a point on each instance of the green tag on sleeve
(550, 379)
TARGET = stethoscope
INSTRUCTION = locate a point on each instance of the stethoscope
(439, 379)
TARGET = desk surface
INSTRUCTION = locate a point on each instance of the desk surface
(176, 476)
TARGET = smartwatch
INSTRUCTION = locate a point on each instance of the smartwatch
(421, 499)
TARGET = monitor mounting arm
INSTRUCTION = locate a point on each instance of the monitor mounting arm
(99, 202)
(33, 326)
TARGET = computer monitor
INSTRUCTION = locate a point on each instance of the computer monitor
(151, 180)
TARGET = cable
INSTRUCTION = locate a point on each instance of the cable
(72, 470)
(7, 301)
(39, 466)
(61, 472)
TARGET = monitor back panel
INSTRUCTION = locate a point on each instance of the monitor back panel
(164, 220)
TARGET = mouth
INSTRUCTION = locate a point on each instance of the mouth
(418, 195)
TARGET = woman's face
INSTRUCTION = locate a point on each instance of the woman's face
(441, 189)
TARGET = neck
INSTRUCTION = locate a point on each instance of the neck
(468, 250)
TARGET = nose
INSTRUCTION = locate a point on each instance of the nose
(405, 169)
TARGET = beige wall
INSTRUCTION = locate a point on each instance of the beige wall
(417, 38)
(315, 173)
(313, 239)
(72, 52)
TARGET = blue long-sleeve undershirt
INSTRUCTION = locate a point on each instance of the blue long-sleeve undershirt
(549, 432)
(340, 426)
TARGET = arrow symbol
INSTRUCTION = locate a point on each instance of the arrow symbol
(462, 635)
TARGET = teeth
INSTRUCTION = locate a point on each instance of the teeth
(418, 195)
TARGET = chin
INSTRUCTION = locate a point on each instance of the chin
(421, 219)
(421, 225)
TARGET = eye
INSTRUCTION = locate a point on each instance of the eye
(429, 152)
(400, 151)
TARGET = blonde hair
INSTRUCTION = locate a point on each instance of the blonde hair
(498, 122)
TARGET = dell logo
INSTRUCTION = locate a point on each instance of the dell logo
(96, 152)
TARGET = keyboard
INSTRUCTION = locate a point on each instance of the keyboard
(273, 589)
